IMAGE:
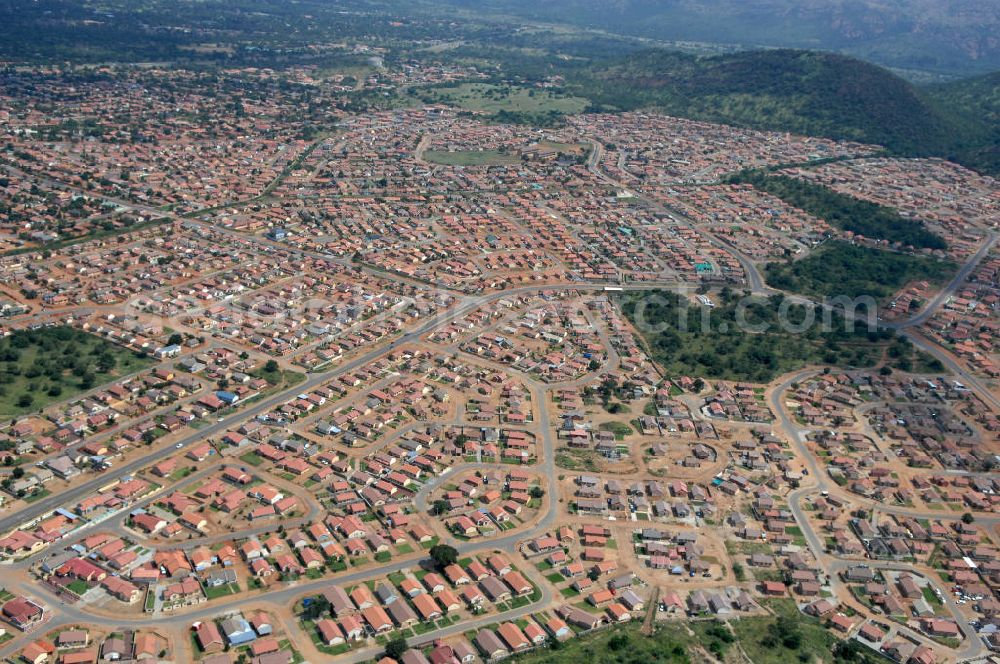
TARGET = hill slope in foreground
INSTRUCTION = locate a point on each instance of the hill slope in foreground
(806, 92)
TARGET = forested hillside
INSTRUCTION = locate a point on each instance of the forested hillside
(800, 91)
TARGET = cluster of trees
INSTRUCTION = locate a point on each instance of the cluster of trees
(719, 342)
(719, 638)
(847, 213)
(840, 268)
(48, 356)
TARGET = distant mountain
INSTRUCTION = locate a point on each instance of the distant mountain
(951, 37)
(807, 92)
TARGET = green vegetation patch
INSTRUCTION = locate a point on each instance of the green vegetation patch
(506, 103)
(790, 636)
(840, 268)
(39, 367)
(575, 459)
(806, 92)
(214, 592)
(622, 645)
(847, 213)
(744, 339)
(470, 158)
(619, 429)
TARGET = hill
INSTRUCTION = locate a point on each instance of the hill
(975, 103)
(806, 92)
(922, 37)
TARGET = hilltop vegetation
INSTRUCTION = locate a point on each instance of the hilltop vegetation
(976, 103)
(805, 92)
(847, 213)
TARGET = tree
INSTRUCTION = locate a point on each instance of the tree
(968, 518)
(783, 632)
(318, 606)
(443, 555)
(106, 362)
(271, 366)
(440, 506)
(176, 339)
(618, 642)
(396, 647)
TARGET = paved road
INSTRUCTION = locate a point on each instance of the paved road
(754, 279)
(972, 646)
(69, 497)
(956, 282)
(281, 598)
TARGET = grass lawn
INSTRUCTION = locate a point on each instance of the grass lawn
(619, 429)
(424, 627)
(181, 473)
(38, 495)
(221, 591)
(487, 98)
(470, 158)
(40, 367)
(78, 587)
(251, 458)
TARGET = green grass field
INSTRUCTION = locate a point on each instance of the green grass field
(469, 158)
(39, 367)
(487, 98)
